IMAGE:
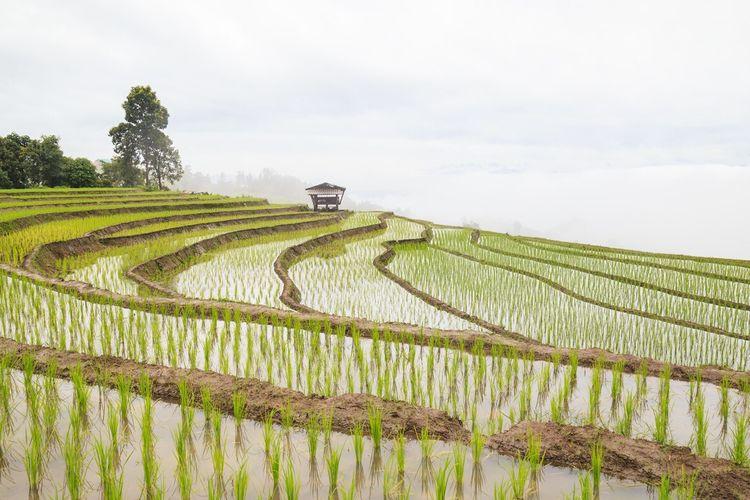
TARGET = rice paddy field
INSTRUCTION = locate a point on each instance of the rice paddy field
(179, 345)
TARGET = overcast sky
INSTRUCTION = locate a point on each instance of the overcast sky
(616, 122)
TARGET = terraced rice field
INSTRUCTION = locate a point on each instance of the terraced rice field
(177, 345)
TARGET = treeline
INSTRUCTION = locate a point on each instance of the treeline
(144, 153)
(27, 162)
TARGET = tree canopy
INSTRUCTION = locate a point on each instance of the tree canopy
(140, 141)
(27, 162)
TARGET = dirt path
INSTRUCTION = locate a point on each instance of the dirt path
(626, 458)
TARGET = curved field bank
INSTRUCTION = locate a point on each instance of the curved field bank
(10, 206)
(697, 266)
(557, 261)
(141, 223)
(561, 445)
(37, 218)
(43, 258)
(599, 303)
(243, 271)
(290, 294)
(552, 322)
(175, 314)
(97, 196)
(468, 340)
(337, 276)
(626, 458)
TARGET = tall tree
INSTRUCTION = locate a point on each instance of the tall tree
(140, 140)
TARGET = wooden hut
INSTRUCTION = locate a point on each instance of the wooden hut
(326, 196)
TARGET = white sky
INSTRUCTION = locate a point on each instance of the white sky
(615, 122)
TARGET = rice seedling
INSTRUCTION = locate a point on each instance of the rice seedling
(241, 482)
(313, 432)
(624, 425)
(534, 456)
(661, 420)
(426, 445)
(326, 422)
(724, 404)
(664, 487)
(182, 455)
(33, 459)
(81, 392)
(291, 483)
(274, 461)
(358, 442)
(459, 464)
(149, 462)
(519, 477)
(477, 444)
(700, 424)
(740, 453)
(597, 458)
(350, 492)
(584, 483)
(333, 462)
(686, 486)
(399, 451)
(500, 491)
(111, 480)
(442, 476)
(375, 418)
(268, 433)
(74, 466)
(239, 400)
(595, 393)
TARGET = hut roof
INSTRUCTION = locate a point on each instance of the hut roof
(325, 187)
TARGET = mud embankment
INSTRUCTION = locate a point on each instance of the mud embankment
(262, 398)
(146, 272)
(628, 251)
(31, 220)
(626, 458)
(614, 277)
(125, 226)
(116, 241)
(106, 201)
(562, 445)
(42, 259)
(567, 250)
(381, 264)
(290, 294)
(589, 300)
(174, 304)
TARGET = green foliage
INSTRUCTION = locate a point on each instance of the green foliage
(79, 172)
(140, 140)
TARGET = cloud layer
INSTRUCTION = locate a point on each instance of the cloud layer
(390, 97)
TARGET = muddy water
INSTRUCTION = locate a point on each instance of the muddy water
(243, 444)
